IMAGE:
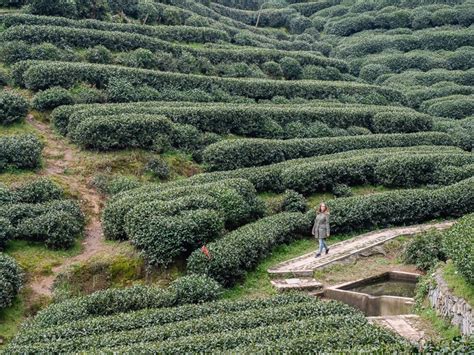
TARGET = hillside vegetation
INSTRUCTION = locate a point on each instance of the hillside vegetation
(196, 136)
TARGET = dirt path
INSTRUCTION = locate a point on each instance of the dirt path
(58, 157)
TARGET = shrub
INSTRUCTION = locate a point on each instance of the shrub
(291, 68)
(52, 98)
(112, 185)
(458, 244)
(4, 77)
(38, 191)
(84, 94)
(239, 153)
(20, 152)
(272, 69)
(186, 137)
(43, 75)
(455, 107)
(241, 250)
(6, 232)
(158, 167)
(11, 277)
(425, 250)
(108, 133)
(371, 72)
(13, 108)
(53, 8)
(389, 122)
(293, 202)
(196, 289)
(140, 58)
(98, 54)
(341, 190)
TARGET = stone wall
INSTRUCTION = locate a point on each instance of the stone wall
(450, 306)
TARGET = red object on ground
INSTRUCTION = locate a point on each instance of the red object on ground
(206, 252)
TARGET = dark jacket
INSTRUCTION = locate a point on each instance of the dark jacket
(321, 226)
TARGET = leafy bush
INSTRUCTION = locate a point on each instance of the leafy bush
(11, 277)
(52, 98)
(291, 68)
(140, 58)
(13, 108)
(272, 69)
(20, 152)
(117, 132)
(239, 153)
(37, 191)
(341, 190)
(425, 250)
(6, 232)
(36, 75)
(158, 167)
(458, 243)
(112, 185)
(53, 8)
(98, 54)
(196, 289)
(293, 202)
(454, 107)
(4, 77)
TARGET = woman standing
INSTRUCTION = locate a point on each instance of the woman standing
(321, 228)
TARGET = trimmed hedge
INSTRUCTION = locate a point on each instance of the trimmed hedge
(359, 46)
(458, 243)
(20, 152)
(123, 41)
(239, 153)
(13, 108)
(136, 210)
(52, 98)
(456, 107)
(167, 33)
(37, 211)
(41, 75)
(255, 120)
(11, 280)
(429, 78)
(243, 249)
(119, 132)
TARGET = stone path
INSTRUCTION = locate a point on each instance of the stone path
(304, 266)
(405, 325)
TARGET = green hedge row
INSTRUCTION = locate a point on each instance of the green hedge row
(201, 326)
(255, 120)
(359, 46)
(168, 33)
(243, 249)
(456, 106)
(240, 153)
(50, 323)
(13, 108)
(124, 41)
(20, 152)
(234, 200)
(415, 96)
(269, 177)
(458, 243)
(37, 211)
(429, 78)
(417, 18)
(11, 279)
(118, 132)
(42, 75)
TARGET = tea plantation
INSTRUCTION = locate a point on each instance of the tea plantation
(155, 154)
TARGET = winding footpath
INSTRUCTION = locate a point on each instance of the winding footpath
(58, 157)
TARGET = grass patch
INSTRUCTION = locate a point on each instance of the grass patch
(443, 329)
(11, 318)
(315, 199)
(457, 284)
(257, 282)
(36, 259)
(17, 128)
(15, 177)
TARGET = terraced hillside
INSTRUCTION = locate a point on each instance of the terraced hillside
(141, 141)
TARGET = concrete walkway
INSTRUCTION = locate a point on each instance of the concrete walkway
(404, 325)
(362, 245)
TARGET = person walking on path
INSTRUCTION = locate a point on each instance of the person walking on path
(321, 228)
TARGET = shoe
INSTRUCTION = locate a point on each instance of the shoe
(327, 250)
(317, 255)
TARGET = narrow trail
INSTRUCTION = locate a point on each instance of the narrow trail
(58, 157)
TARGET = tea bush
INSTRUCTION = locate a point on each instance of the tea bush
(52, 98)
(425, 250)
(458, 243)
(13, 108)
(20, 152)
(11, 280)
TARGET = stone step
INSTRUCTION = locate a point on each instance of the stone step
(299, 284)
(348, 250)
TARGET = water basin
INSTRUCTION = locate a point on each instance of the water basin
(390, 293)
